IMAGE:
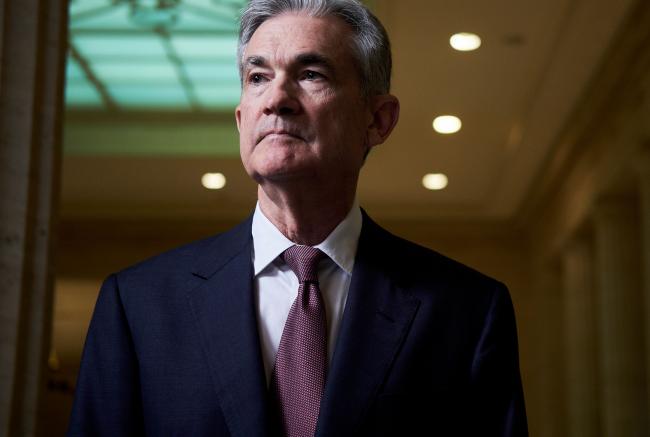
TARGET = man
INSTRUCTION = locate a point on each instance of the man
(307, 318)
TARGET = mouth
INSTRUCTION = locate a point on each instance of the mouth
(279, 133)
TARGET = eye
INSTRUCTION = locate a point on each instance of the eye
(312, 75)
(255, 78)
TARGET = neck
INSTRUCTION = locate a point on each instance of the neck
(304, 218)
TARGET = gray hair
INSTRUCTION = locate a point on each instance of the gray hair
(370, 42)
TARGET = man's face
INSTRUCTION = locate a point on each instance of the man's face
(301, 112)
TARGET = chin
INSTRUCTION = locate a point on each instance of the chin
(277, 163)
(281, 174)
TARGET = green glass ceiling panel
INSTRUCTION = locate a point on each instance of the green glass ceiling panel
(193, 15)
(172, 64)
(123, 46)
(83, 9)
(101, 17)
(81, 94)
(223, 6)
(204, 20)
(81, 6)
(74, 73)
(121, 72)
(213, 72)
(188, 46)
(217, 97)
(149, 96)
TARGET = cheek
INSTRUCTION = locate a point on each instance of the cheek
(244, 123)
(246, 132)
(246, 113)
(245, 137)
(347, 126)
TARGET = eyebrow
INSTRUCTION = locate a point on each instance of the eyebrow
(303, 59)
(255, 61)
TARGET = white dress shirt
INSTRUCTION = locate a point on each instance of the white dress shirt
(276, 286)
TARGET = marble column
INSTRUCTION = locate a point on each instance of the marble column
(620, 303)
(550, 418)
(32, 54)
(580, 344)
(644, 191)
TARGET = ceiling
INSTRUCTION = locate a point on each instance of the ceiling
(132, 156)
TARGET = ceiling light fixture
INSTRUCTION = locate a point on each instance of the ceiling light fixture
(435, 181)
(465, 41)
(447, 124)
(213, 181)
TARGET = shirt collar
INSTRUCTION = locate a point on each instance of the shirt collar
(340, 245)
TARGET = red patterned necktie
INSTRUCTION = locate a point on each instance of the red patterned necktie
(301, 362)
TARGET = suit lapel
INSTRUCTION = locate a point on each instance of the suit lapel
(224, 309)
(376, 320)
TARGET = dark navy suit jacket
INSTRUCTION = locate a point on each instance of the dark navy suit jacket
(426, 347)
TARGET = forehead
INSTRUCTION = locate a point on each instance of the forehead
(289, 34)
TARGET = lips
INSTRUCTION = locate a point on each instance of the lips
(279, 132)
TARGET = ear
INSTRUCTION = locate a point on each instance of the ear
(384, 115)
(238, 118)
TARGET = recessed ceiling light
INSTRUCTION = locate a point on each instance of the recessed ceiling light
(465, 41)
(447, 124)
(435, 181)
(213, 181)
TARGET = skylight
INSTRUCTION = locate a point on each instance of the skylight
(186, 62)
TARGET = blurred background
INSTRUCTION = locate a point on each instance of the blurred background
(118, 142)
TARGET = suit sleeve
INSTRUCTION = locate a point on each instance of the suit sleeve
(497, 392)
(107, 398)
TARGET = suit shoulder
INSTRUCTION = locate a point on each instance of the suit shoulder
(190, 256)
(176, 257)
(450, 265)
(417, 263)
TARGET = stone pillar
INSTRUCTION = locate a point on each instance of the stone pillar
(550, 418)
(580, 346)
(620, 302)
(644, 190)
(32, 55)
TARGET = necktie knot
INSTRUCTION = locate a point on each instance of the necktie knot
(303, 260)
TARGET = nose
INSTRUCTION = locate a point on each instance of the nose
(282, 97)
